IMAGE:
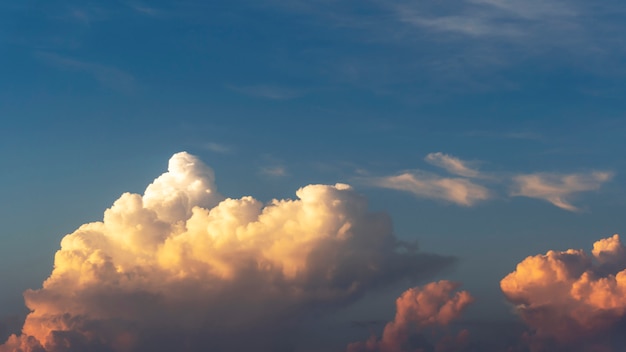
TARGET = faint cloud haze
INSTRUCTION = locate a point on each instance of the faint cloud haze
(218, 148)
(558, 188)
(271, 92)
(451, 164)
(274, 171)
(425, 185)
(107, 76)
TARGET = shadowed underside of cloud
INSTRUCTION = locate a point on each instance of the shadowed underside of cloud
(572, 301)
(558, 188)
(183, 268)
(419, 308)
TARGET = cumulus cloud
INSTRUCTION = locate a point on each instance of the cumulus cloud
(557, 188)
(569, 298)
(184, 268)
(451, 164)
(460, 191)
(434, 305)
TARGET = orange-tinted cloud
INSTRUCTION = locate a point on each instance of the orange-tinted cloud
(456, 190)
(182, 268)
(433, 305)
(568, 296)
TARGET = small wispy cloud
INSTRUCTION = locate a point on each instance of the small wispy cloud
(273, 171)
(272, 92)
(486, 18)
(451, 164)
(218, 148)
(80, 15)
(107, 76)
(459, 191)
(558, 188)
(473, 186)
(530, 9)
(143, 9)
(467, 25)
(146, 10)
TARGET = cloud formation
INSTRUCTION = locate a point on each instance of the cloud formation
(184, 268)
(571, 300)
(488, 18)
(460, 191)
(451, 164)
(558, 188)
(434, 305)
(274, 171)
(471, 186)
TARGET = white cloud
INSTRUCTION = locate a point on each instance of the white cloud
(183, 265)
(558, 188)
(451, 164)
(425, 185)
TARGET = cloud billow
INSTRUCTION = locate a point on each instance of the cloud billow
(417, 309)
(570, 300)
(184, 268)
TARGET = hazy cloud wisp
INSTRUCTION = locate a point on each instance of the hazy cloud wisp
(558, 188)
(459, 191)
(451, 164)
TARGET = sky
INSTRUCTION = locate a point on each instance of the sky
(312, 175)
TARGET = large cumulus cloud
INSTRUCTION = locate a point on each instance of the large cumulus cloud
(184, 268)
(571, 300)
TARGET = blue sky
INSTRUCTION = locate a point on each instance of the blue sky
(96, 96)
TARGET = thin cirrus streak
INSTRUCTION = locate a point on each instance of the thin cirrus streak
(471, 186)
(184, 268)
(459, 191)
(558, 188)
(451, 164)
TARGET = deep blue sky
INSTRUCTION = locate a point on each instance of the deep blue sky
(96, 96)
